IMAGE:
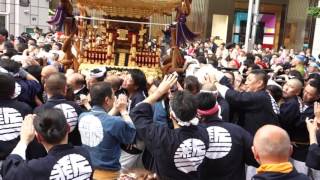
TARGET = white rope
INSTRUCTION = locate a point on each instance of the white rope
(121, 21)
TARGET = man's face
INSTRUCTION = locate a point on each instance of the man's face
(257, 59)
(252, 83)
(294, 62)
(290, 90)
(128, 83)
(44, 76)
(230, 78)
(312, 69)
(310, 94)
(2, 39)
(91, 81)
(110, 101)
(71, 82)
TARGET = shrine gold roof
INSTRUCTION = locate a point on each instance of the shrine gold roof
(131, 8)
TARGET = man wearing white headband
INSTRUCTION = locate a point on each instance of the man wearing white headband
(179, 152)
(96, 75)
(229, 144)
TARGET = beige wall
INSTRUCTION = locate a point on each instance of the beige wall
(220, 26)
(297, 17)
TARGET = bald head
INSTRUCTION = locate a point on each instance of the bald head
(208, 87)
(56, 84)
(76, 80)
(271, 144)
(47, 71)
(292, 88)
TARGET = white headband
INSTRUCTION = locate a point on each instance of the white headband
(194, 121)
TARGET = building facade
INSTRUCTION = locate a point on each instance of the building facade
(19, 16)
(316, 39)
(281, 22)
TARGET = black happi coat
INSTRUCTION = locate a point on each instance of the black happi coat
(229, 151)
(256, 109)
(27, 90)
(313, 158)
(292, 119)
(62, 162)
(71, 111)
(12, 113)
(301, 135)
(290, 115)
(178, 153)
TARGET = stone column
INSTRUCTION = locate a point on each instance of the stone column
(316, 39)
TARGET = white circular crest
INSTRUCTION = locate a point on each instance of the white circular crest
(17, 90)
(70, 114)
(91, 130)
(220, 142)
(189, 155)
(72, 166)
(10, 123)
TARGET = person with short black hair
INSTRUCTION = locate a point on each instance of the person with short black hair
(300, 135)
(313, 157)
(102, 134)
(227, 154)
(56, 88)
(63, 161)
(192, 84)
(3, 38)
(26, 90)
(177, 152)
(12, 113)
(135, 84)
(4, 34)
(78, 84)
(8, 50)
(276, 92)
(257, 106)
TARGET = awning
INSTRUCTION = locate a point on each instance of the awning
(131, 8)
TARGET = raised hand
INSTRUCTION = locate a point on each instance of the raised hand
(121, 103)
(27, 129)
(167, 83)
(312, 127)
(209, 79)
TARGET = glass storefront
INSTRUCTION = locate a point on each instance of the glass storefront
(265, 31)
(279, 24)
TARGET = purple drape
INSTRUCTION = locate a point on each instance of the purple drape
(183, 32)
(58, 18)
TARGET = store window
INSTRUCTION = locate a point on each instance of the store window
(24, 3)
(310, 26)
(2, 21)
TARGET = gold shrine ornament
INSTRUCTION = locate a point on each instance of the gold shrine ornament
(122, 34)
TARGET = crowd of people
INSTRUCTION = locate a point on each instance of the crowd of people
(226, 114)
